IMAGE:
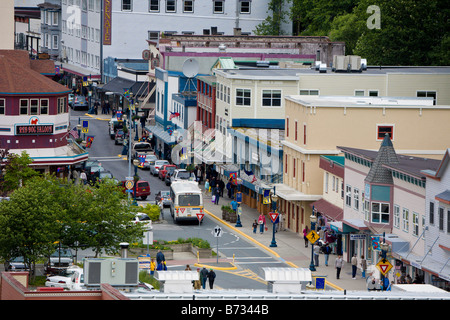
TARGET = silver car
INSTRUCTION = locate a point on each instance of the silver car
(149, 161)
(154, 169)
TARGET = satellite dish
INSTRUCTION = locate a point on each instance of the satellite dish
(190, 68)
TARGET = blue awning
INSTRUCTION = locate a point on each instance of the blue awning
(160, 133)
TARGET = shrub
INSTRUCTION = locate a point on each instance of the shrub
(152, 210)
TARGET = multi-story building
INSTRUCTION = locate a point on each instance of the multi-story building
(437, 219)
(34, 115)
(315, 125)
(51, 29)
(385, 200)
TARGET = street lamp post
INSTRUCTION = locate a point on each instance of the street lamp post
(135, 178)
(384, 248)
(274, 208)
(313, 220)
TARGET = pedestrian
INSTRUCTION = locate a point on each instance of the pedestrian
(363, 266)
(326, 252)
(221, 186)
(152, 266)
(83, 177)
(371, 282)
(211, 277)
(338, 264)
(203, 277)
(316, 255)
(217, 194)
(187, 268)
(354, 262)
(107, 107)
(234, 205)
(261, 222)
(255, 225)
(197, 283)
(199, 175)
(160, 260)
(305, 233)
(206, 186)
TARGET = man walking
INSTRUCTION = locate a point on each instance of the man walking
(203, 277)
(354, 266)
(338, 264)
(211, 277)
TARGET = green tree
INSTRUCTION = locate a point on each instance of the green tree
(272, 24)
(107, 218)
(17, 171)
(29, 222)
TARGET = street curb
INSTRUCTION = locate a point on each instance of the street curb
(96, 118)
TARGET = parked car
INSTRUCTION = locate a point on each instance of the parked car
(72, 279)
(114, 125)
(80, 103)
(120, 135)
(58, 260)
(166, 169)
(154, 169)
(141, 147)
(102, 175)
(93, 172)
(149, 160)
(181, 174)
(16, 264)
(163, 198)
(142, 189)
(143, 218)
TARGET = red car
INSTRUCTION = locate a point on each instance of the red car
(142, 189)
(166, 168)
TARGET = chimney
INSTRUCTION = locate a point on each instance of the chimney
(124, 247)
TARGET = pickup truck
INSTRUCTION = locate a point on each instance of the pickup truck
(60, 259)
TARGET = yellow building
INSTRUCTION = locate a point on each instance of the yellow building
(315, 125)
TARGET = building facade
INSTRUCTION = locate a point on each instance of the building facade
(315, 125)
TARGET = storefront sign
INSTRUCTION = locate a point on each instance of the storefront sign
(356, 236)
(107, 22)
(34, 129)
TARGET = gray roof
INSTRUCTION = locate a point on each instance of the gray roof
(386, 155)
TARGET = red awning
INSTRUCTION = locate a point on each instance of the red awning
(329, 210)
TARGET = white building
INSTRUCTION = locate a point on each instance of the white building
(437, 235)
(127, 24)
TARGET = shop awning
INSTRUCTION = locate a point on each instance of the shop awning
(160, 133)
(290, 194)
(118, 86)
(328, 209)
(348, 226)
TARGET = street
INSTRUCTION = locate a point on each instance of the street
(248, 257)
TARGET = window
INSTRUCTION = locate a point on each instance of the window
(271, 98)
(431, 212)
(294, 162)
(2, 106)
(243, 97)
(441, 219)
(382, 130)
(153, 6)
(304, 134)
(171, 6)
(23, 106)
(415, 221)
(405, 220)
(396, 216)
(153, 35)
(126, 5)
(286, 163)
(373, 93)
(245, 6)
(448, 221)
(295, 131)
(55, 42)
(427, 94)
(34, 106)
(309, 92)
(55, 18)
(188, 6)
(44, 106)
(218, 6)
(303, 171)
(326, 182)
(356, 199)
(380, 212)
(348, 195)
(359, 93)
(287, 127)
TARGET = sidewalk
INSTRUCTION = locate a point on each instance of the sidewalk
(290, 247)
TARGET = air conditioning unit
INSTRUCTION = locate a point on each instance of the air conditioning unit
(121, 272)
